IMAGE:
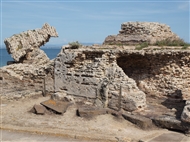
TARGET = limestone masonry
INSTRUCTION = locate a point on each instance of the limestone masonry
(20, 44)
(138, 32)
(153, 82)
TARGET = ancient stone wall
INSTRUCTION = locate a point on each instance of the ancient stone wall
(138, 32)
(161, 72)
(94, 76)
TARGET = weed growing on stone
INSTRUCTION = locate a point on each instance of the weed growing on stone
(74, 45)
(142, 45)
(168, 42)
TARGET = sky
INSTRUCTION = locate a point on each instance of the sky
(91, 21)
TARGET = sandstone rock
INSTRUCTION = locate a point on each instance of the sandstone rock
(140, 121)
(59, 107)
(39, 109)
(20, 44)
(138, 32)
(89, 111)
(169, 122)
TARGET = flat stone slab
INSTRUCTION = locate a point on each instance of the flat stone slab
(89, 111)
(169, 137)
(57, 106)
(39, 109)
(140, 121)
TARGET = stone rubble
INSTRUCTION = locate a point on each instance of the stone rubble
(137, 32)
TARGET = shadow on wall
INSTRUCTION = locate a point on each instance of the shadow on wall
(155, 71)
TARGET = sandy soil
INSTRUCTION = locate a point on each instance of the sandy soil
(15, 116)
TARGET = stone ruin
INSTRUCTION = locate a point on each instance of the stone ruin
(31, 66)
(93, 75)
(149, 85)
(132, 33)
(21, 45)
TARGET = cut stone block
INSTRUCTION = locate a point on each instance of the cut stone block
(169, 122)
(39, 109)
(140, 121)
(89, 111)
(59, 107)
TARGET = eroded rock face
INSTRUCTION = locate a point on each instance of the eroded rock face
(32, 68)
(94, 75)
(19, 45)
(139, 32)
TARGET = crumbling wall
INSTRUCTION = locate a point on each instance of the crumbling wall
(31, 65)
(161, 72)
(138, 32)
(93, 76)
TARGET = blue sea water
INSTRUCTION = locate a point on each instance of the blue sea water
(4, 56)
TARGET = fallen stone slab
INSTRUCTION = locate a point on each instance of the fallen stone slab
(39, 109)
(169, 122)
(140, 121)
(89, 111)
(59, 107)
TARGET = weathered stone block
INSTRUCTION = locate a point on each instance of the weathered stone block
(140, 121)
(89, 111)
(169, 122)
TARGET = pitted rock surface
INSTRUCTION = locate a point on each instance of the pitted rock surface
(139, 32)
(19, 45)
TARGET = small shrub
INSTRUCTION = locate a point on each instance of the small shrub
(169, 42)
(74, 45)
(142, 45)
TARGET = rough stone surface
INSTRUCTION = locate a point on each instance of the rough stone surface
(25, 76)
(19, 45)
(59, 107)
(169, 122)
(89, 111)
(138, 32)
(93, 75)
(140, 121)
(39, 109)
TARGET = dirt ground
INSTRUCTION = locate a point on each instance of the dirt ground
(15, 115)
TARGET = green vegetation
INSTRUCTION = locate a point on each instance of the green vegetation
(142, 45)
(168, 42)
(74, 45)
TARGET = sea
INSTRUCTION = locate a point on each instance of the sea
(51, 51)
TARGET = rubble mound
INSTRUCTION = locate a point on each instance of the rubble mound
(132, 33)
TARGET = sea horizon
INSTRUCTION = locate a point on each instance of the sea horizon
(51, 50)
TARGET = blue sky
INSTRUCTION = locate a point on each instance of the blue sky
(91, 21)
